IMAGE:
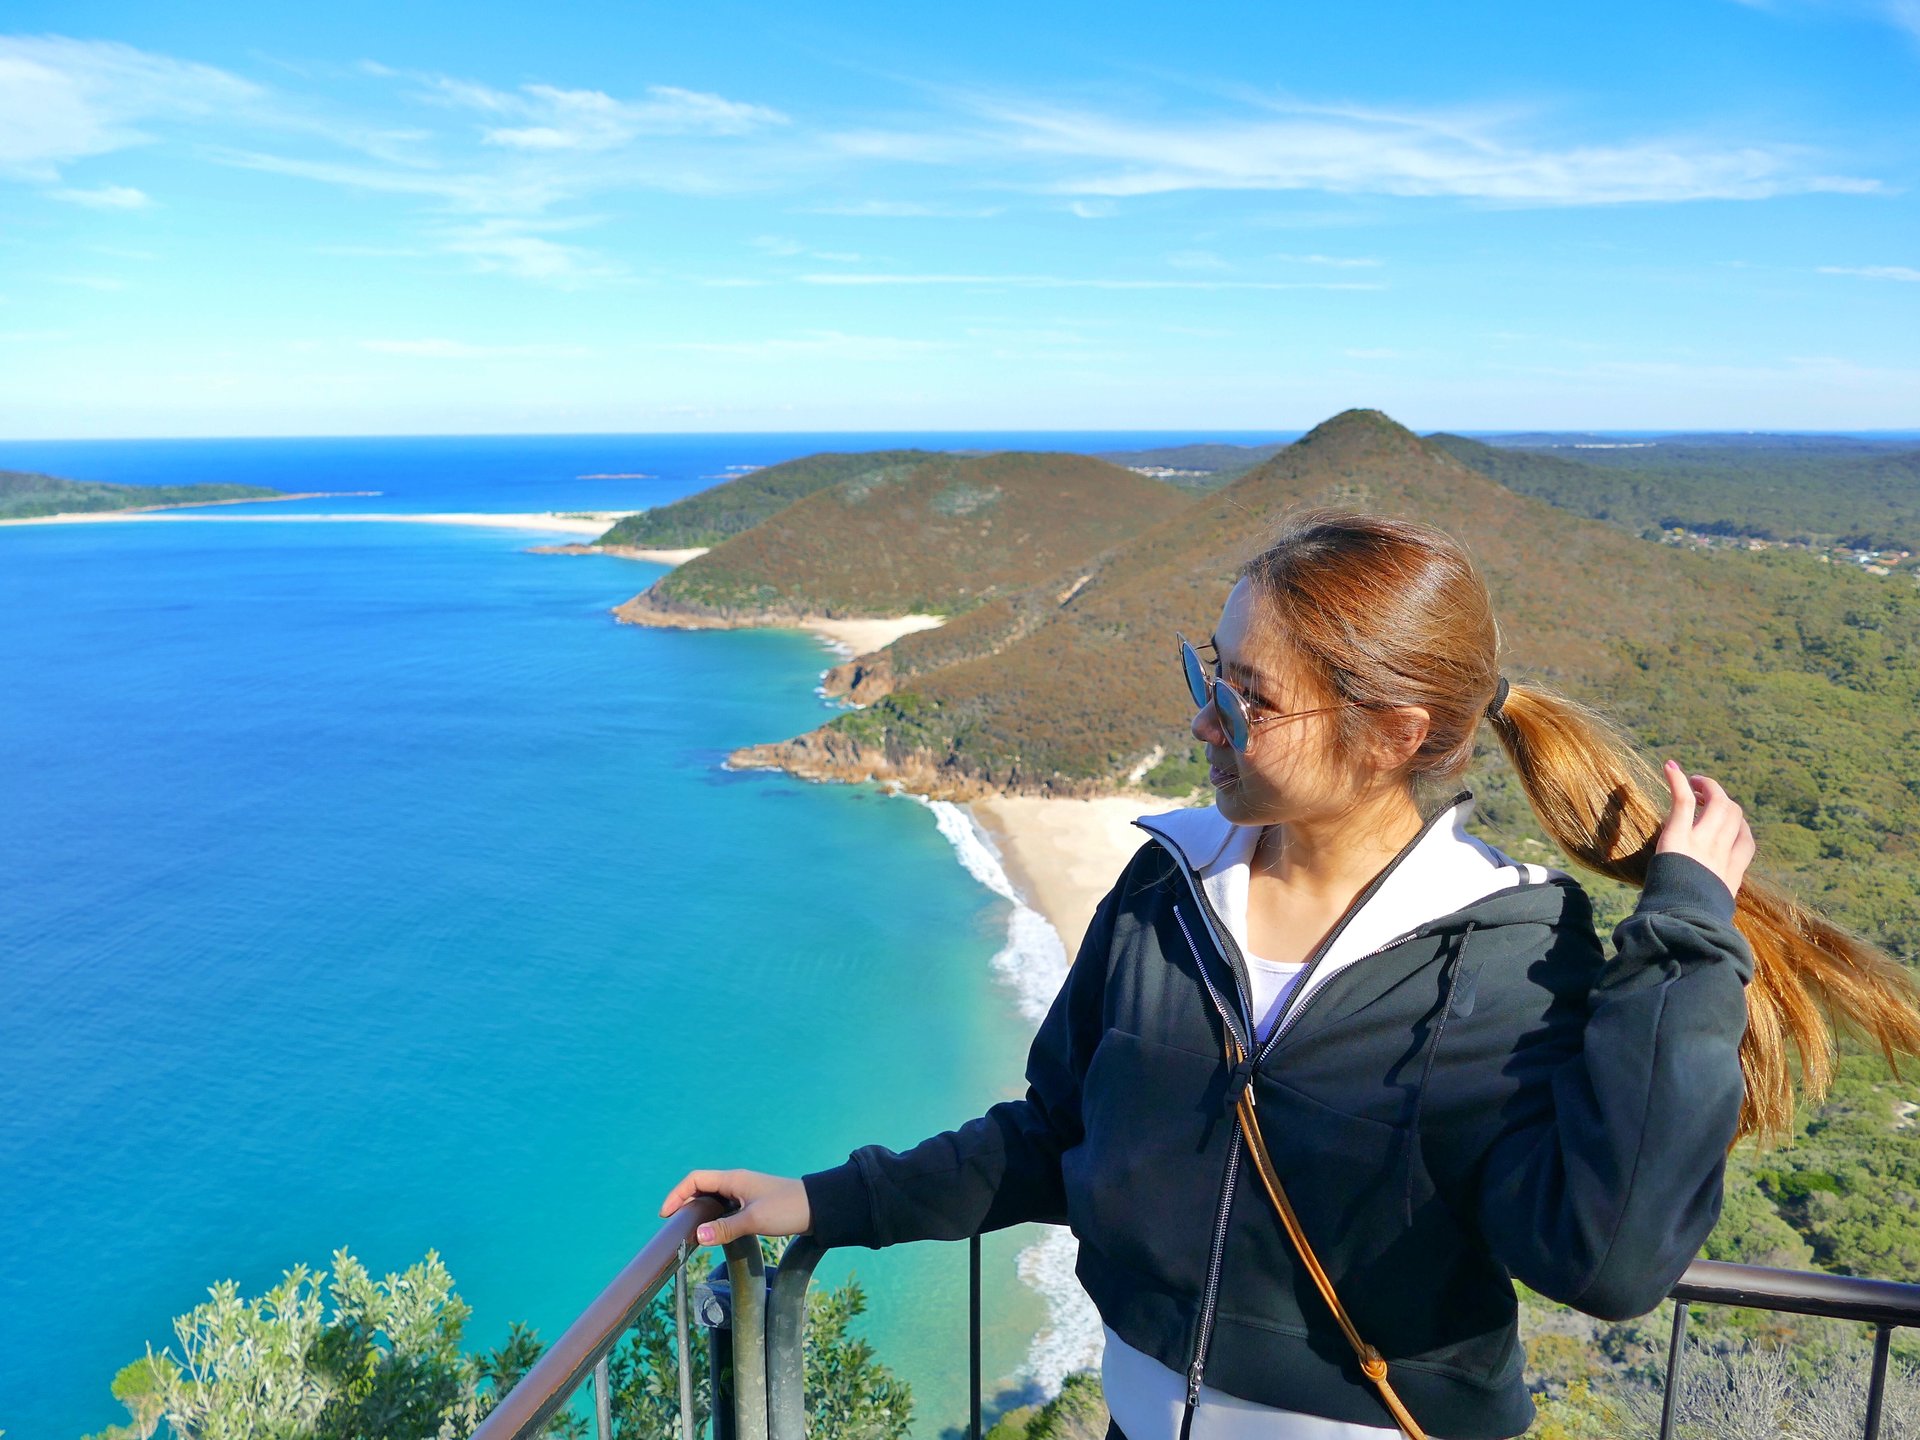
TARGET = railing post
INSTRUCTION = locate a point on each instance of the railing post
(747, 1275)
(1877, 1383)
(787, 1338)
(602, 1402)
(973, 1337)
(713, 1309)
(1670, 1400)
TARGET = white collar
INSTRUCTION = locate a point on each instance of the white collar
(1446, 870)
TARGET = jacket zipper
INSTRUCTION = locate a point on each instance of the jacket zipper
(1243, 1031)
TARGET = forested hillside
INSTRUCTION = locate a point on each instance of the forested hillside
(711, 515)
(24, 494)
(1832, 490)
(939, 535)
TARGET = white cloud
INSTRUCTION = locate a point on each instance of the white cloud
(107, 197)
(462, 350)
(1360, 353)
(1060, 282)
(1874, 272)
(63, 100)
(1341, 262)
(1291, 146)
(1197, 260)
(516, 247)
(907, 210)
(591, 120)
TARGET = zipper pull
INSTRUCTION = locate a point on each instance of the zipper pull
(1193, 1382)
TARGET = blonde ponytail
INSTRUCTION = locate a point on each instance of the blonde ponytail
(1592, 792)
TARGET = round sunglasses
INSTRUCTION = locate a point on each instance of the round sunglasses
(1235, 714)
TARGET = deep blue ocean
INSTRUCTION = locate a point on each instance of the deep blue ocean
(369, 886)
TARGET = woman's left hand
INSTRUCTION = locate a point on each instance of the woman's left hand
(1705, 824)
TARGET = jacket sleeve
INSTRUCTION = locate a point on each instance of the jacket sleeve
(1605, 1178)
(1000, 1169)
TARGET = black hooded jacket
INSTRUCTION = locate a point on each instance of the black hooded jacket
(1455, 1097)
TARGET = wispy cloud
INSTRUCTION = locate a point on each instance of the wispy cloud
(1286, 145)
(1874, 272)
(1197, 260)
(1338, 262)
(816, 344)
(1063, 282)
(553, 118)
(107, 197)
(519, 248)
(463, 350)
(63, 100)
(906, 210)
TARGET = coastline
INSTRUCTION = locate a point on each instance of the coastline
(1062, 855)
(624, 552)
(572, 523)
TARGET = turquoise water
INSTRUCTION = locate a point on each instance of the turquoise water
(369, 886)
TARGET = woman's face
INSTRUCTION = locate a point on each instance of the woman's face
(1288, 773)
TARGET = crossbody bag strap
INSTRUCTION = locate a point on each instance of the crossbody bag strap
(1372, 1364)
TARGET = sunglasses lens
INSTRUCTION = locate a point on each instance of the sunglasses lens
(1196, 673)
(1233, 715)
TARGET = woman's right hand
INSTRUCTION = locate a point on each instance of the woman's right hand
(769, 1204)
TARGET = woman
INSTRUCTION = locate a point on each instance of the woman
(1452, 1082)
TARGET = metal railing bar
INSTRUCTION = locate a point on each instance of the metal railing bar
(747, 1280)
(1800, 1292)
(787, 1338)
(602, 1401)
(1877, 1383)
(1675, 1353)
(680, 1344)
(545, 1389)
(973, 1337)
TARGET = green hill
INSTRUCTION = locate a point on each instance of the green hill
(24, 494)
(711, 515)
(1820, 489)
(939, 535)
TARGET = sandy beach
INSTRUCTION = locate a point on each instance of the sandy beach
(859, 637)
(568, 523)
(1064, 855)
(623, 552)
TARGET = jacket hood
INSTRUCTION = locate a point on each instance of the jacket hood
(1441, 871)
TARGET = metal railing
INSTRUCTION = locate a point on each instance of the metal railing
(765, 1320)
(1887, 1305)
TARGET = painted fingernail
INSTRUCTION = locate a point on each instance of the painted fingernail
(705, 1232)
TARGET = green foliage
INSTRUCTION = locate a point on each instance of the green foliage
(848, 1391)
(1078, 1412)
(385, 1362)
(23, 495)
(1181, 771)
(1826, 490)
(711, 515)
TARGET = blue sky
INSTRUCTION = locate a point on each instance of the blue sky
(425, 217)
